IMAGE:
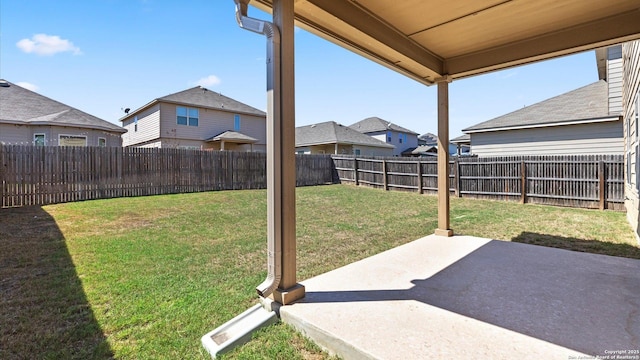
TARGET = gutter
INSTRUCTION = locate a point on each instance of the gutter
(543, 125)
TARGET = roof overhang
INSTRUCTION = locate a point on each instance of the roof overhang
(233, 137)
(546, 125)
(381, 145)
(159, 101)
(430, 40)
(49, 123)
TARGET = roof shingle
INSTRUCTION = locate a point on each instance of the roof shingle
(331, 132)
(19, 105)
(375, 124)
(585, 103)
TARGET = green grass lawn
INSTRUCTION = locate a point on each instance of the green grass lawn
(145, 278)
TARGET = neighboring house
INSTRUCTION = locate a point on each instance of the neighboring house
(333, 138)
(583, 121)
(463, 144)
(196, 118)
(631, 114)
(390, 133)
(421, 151)
(429, 139)
(28, 118)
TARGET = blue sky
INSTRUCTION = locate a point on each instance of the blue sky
(101, 56)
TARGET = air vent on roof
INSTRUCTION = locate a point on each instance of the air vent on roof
(4, 83)
(314, 125)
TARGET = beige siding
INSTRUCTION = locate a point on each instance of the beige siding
(210, 123)
(91, 135)
(23, 135)
(598, 138)
(373, 151)
(148, 127)
(11, 134)
(630, 103)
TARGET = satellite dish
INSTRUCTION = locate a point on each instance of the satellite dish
(126, 111)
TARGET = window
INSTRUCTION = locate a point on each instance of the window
(357, 151)
(187, 116)
(236, 122)
(72, 140)
(135, 123)
(402, 138)
(388, 136)
(39, 139)
(102, 142)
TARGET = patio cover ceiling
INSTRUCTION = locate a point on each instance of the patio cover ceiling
(430, 39)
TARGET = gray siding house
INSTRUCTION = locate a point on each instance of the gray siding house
(401, 138)
(196, 118)
(28, 118)
(333, 138)
(583, 121)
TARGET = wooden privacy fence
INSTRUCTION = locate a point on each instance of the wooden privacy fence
(32, 175)
(588, 181)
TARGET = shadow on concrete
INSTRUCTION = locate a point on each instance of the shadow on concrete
(44, 312)
(575, 244)
(585, 302)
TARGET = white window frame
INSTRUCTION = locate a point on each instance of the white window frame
(135, 122)
(60, 136)
(44, 139)
(105, 141)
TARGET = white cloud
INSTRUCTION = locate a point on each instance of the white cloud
(46, 45)
(28, 86)
(210, 80)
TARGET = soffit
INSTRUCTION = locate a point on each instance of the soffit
(427, 39)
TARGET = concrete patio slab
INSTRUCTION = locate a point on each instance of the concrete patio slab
(472, 298)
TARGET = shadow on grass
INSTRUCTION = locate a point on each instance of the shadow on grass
(575, 244)
(44, 313)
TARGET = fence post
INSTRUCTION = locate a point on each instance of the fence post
(355, 170)
(603, 185)
(419, 177)
(456, 176)
(384, 175)
(3, 203)
(523, 182)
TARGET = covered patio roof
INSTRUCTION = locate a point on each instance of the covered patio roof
(431, 41)
(426, 40)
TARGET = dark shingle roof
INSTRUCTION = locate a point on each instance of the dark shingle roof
(21, 106)
(462, 139)
(331, 132)
(429, 138)
(375, 124)
(585, 103)
(204, 98)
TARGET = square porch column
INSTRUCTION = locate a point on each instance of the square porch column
(443, 157)
(288, 290)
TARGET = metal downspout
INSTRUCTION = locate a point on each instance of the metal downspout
(270, 30)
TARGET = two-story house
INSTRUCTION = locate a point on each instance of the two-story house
(390, 133)
(196, 118)
(28, 118)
